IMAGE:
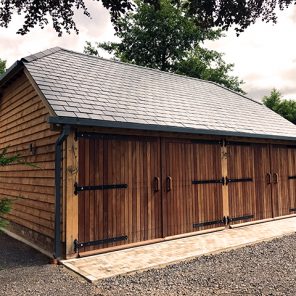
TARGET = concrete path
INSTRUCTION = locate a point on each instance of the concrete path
(106, 265)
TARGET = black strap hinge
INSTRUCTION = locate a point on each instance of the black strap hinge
(234, 219)
(208, 223)
(210, 181)
(232, 180)
(78, 245)
(78, 188)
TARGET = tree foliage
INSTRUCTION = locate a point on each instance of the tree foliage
(5, 207)
(5, 204)
(240, 14)
(206, 13)
(168, 40)
(285, 108)
(2, 66)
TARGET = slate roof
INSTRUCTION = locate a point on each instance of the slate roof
(109, 93)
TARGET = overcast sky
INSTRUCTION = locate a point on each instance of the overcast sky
(264, 55)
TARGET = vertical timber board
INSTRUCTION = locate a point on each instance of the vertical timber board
(224, 167)
(189, 207)
(208, 198)
(242, 199)
(164, 200)
(292, 182)
(249, 198)
(133, 211)
(71, 206)
(280, 186)
(261, 182)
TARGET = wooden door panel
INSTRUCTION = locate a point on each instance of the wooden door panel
(134, 211)
(292, 179)
(177, 161)
(207, 166)
(242, 198)
(281, 182)
(90, 213)
(187, 206)
(263, 188)
(250, 193)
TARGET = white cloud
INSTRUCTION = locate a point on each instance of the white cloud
(96, 28)
(264, 55)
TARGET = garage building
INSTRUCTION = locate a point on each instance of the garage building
(127, 155)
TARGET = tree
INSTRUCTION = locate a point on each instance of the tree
(273, 100)
(2, 66)
(209, 65)
(168, 40)
(206, 13)
(285, 108)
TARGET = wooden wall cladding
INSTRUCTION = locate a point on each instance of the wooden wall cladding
(253, 196)
(271, 193)
(23, 125)
(134, 211)
(292, 179)
(188, 206)
(161, 198)
(283, 167)
(147, 209)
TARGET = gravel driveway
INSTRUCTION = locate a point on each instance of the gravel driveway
(267, 268)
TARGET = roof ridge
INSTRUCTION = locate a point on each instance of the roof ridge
(41, 54)
(163, 72)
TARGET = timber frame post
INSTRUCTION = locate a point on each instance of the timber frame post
(70, 199)
(57, 221)
(225, 198)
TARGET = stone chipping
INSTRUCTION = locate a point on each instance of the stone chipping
(267, 268)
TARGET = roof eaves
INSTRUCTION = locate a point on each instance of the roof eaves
(75, 121)
(10, 72)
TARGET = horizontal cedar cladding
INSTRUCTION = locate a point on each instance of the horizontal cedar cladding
(24, 130)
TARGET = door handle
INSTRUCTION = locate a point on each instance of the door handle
(169, 183)
(156, 183)
(268, 175)
(275, 178)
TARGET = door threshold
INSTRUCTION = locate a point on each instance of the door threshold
(284, 217)
(250, 223)
(194, 233)
(261, 221)
(116, 248)
(143, 243)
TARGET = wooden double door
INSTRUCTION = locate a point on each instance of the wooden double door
(134, 189)
(261, 181)
(192, 186)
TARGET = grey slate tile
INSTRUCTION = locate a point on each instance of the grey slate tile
(78, 85)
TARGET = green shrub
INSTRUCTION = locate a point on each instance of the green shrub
(5, 207)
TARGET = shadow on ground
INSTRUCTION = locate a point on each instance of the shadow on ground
(15, 254)
(24, 271)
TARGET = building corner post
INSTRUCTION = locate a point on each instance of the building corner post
(58, 158)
